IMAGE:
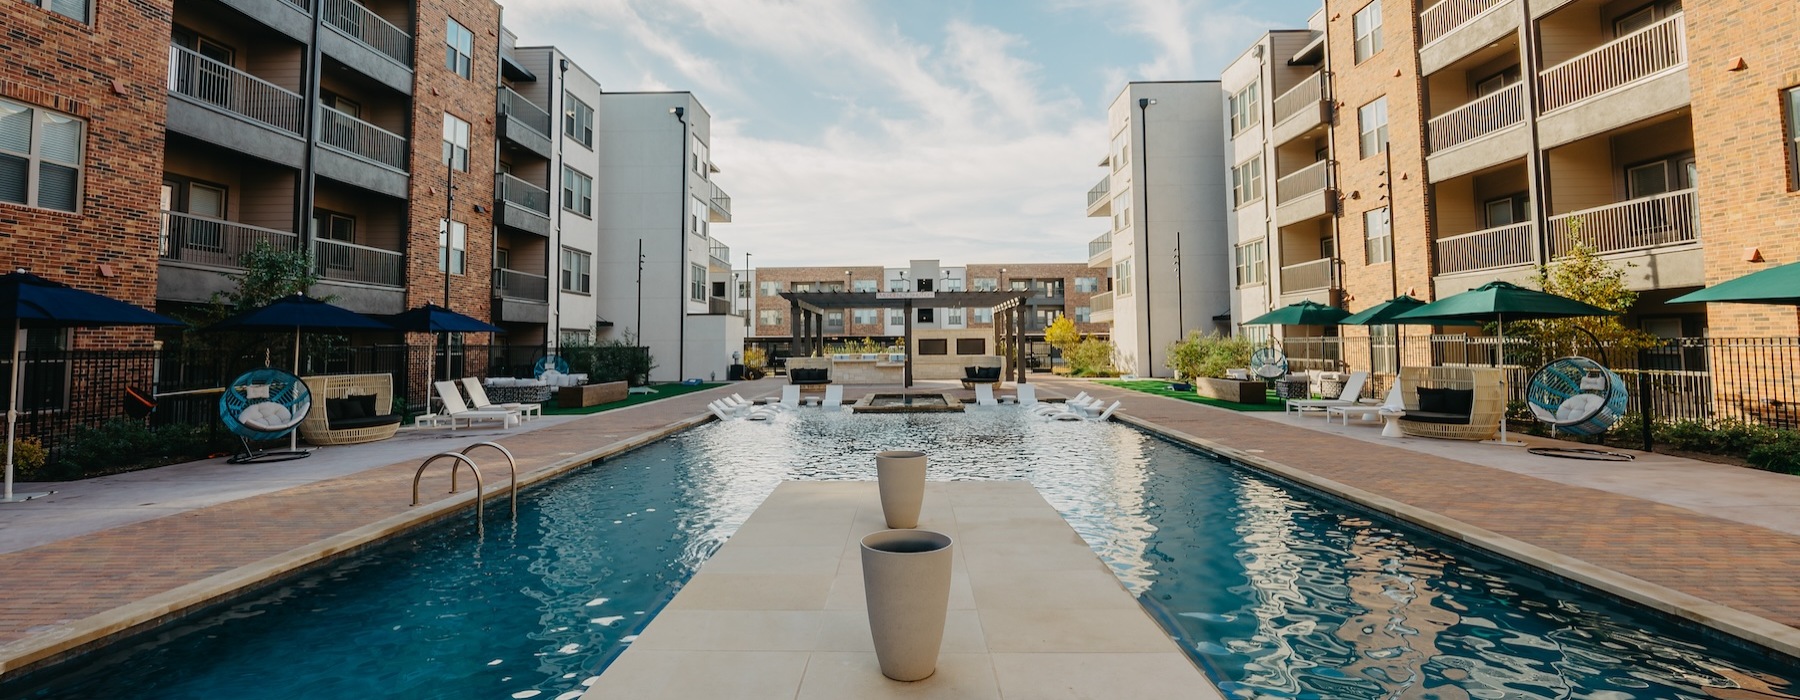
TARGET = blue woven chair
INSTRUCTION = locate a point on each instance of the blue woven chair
(1577, 396)
(549, 363)
(264, 404)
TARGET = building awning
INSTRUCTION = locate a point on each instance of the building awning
(515, 72)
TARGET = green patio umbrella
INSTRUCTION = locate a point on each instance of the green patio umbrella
(1306, 313)
(1776, 285)
(1384, 314)
(1499, 302)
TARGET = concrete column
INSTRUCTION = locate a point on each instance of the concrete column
(794, 330)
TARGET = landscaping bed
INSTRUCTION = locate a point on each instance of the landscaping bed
(663, 391)
(1160, 387)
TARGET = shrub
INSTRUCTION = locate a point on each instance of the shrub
(29, 457)
(756, 363)
(123, 444)
(1781, 454)
(1209, 355)
(1092, 357)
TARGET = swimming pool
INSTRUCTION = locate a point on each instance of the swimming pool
(1274, 591)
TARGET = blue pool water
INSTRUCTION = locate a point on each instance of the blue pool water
(1275, 592)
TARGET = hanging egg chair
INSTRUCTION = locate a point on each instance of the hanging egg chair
(264, 404)
(1577, 396)
(1268, 363)
(549, 363)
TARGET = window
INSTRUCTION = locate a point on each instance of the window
(332, 226)
(458, 240)
(577, 192)
(983, 315)
(1661, 176)
(865, 317)
(1246, 109)
(40, 157)
(718, 290)
(1645, 16)
(1087, 285)
(971, 346)
(1121, 211)
(927, 315)
(951, 284)
(933, 346)
(768, 317)
(834, 319)
(802, 287)
(1121, 148)
(577, 269)
(578, 120)
(73, 9)
(697, 217)
(699, 155)
(1378, 236)
(1792, 99)
(897, 318)
(697, 282)
(987, 284)
(863, 286)
(1247, 182)
(1252, 265)
(1367, 25)
(459, 45)
(456, 142)
(1122, 278)
(953, 316)
(1083, 314)
(1372, 120)
(1506, 211)
(1018, 285)
(769, 289)
(567, 337)
(1497, 82)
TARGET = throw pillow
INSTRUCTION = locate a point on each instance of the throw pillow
(1433, 400)
(971, 372)
(1459, 401)
(365, 404)
(334, 409)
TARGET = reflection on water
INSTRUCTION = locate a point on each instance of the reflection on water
(1273, 593)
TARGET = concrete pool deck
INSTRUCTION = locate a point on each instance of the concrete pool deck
(779, 611)
(1725, 536)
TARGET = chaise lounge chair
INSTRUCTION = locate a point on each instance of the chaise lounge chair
(1350, 397)
(478, 400)
(455, 410)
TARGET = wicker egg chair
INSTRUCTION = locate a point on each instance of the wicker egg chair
(264, 404)
(1577, 396)
(1487, 404)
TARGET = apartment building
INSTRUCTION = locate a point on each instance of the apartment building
(659, 276)
(1059, 289)
(1167, 241)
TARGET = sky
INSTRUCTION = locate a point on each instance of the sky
(874, 132)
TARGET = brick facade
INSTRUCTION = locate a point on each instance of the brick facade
(110, 74)
(787, 276)
(1746, 196)
(1067, 272)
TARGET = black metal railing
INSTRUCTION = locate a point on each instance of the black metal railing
(368, 28)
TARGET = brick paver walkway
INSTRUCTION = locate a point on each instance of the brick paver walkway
(1740, 566)
(51, 586)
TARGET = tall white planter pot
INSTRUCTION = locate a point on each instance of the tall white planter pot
(906, 579)
(901, 475)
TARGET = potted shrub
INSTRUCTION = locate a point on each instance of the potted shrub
(1206, 359)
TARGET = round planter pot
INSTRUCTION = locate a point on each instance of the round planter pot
(901, 476)
(906, 580)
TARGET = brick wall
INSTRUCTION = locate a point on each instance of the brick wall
(111, 74)
(787, 276)
(436, 89)
(1746, 198)
(1067, 272)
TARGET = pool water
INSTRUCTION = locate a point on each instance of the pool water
(1275, 592)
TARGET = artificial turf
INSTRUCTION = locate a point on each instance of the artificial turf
(663, 391)
(1161, 388)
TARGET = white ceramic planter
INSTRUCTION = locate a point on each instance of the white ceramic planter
(901, 476)
(906, 580)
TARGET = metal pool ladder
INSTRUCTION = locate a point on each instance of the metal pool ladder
(460, 458)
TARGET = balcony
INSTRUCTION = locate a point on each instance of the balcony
(1454, 29)
(1099, 204)
(349, 262)
(367, 43)
(719, 206)
(1304, 194)
(1100, 308)
(1501, 246)
(525, 125)
(721, 255)
(362, 154)
(1310, 276)
(520, 297)
(1100, 251)
(1300, 110)
(234, 109)
(199, 240)
(522, 205)
(1479, 134)
(1626, 81)
(722, 306)
(1650, 222)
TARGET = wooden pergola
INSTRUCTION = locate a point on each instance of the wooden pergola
(807, 317)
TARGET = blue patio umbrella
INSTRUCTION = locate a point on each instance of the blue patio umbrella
(298, 313)
(30, 301)
(435, 319)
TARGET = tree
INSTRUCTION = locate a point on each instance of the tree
(1584, 276)
(1062, 335)
(1090, 357)
(269, 274)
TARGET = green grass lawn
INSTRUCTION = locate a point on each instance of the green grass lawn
(1161, 388)
(663, 391)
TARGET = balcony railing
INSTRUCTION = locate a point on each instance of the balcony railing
(1442, 18)
(1309, 92)
(721, 201)
(1100, 246)
(721, 252)
(233, 90)
(1500, 246)
(1628, 59)
(1665, 219)
(352, 135)
(1479, 118)
(719, 305)
(216, 242)
(531, 197)
(1100, 302)
(349, 262)
(368, 28)
(515, 107)
(1099, 192)
(1307, 276)
(523, 286)
(1302, 182)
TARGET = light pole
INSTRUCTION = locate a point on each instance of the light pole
(681, 249)
(1180, 316)
(1144, 220)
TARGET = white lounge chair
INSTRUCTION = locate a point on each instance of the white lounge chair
(1107, 413)
(1369, 411)
(834, 396)
(478, 400)
(984, 395)
(720, 411)
(1352, 389)
(455, 410)
(1027, 396)
(790, 396)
